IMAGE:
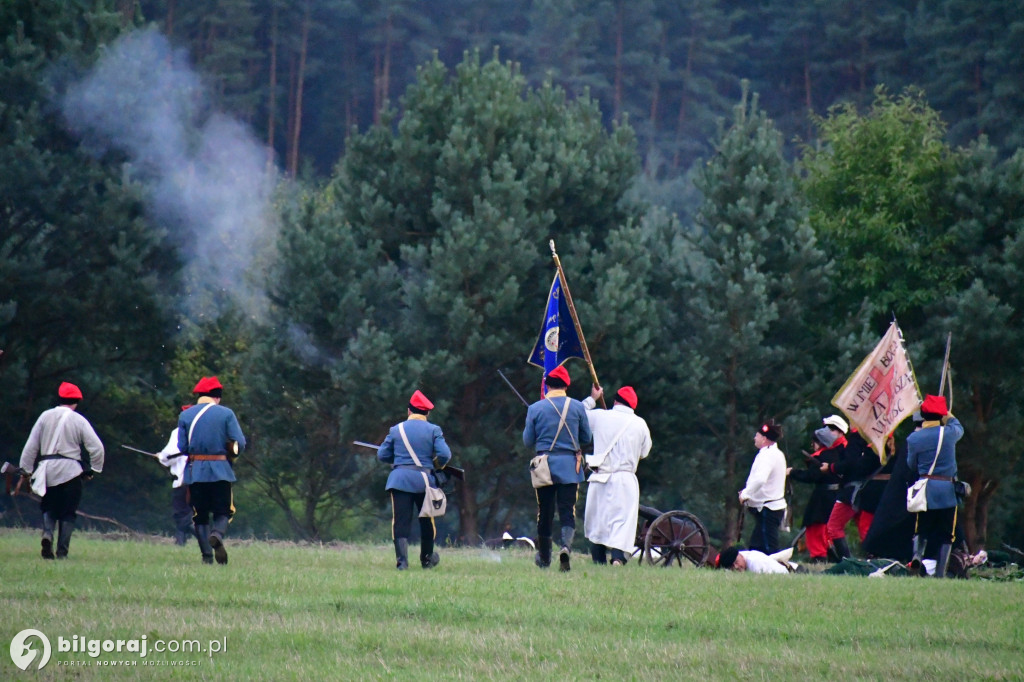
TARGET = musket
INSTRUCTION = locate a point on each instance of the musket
(455, 472)
(518, 394)
(945, 364)
(945, 372)
(141, 452)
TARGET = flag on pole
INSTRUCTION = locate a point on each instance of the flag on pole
(881, 392)
(558, 340)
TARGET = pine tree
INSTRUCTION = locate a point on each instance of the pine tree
(750, 291)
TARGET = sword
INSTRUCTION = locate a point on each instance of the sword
(518, 394)
(141, 452)
(455, 472)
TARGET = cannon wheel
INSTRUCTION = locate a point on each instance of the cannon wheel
(674, 536)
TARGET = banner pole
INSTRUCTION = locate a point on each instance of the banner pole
(575, 319)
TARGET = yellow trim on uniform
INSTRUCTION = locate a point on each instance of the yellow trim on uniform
(392, 514)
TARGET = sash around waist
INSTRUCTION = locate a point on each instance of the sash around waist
(45, 457)
(207, 458)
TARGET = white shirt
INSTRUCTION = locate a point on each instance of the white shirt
(759, 562)
(766, 483)
(175, 463)
(75, 433)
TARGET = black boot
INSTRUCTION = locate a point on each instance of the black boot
(563, 554)
(64, 538)
(203, 537)
(543, 556)
(402, 554)
(915, 565)
(217, 533)
(599, 553)
(47, 541)
(841, 548)
(428, 557)
(940, 565)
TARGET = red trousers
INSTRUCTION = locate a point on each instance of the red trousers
(842, 514)
(816, 538)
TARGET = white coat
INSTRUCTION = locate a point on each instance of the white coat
(621, 440)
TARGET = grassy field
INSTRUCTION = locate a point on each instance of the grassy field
(299, 612)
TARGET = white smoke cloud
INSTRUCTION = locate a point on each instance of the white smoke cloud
(208, 179)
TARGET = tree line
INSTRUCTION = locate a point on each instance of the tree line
(421, 261)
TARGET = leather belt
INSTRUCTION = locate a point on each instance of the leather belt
(207, 458)
(881, 477)
(937, 478)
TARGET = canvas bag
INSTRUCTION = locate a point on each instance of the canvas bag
(917, 494)
(434, 501)
(540, 471)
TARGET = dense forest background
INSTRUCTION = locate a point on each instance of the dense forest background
(331, 203)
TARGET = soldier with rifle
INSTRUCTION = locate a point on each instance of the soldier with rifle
(209, 434)
(413, 448)
(61, 450)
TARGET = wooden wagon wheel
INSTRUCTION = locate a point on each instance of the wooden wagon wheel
(674, 536)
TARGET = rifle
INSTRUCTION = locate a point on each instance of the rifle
(141, 452)
(518, 394)
(454, 472)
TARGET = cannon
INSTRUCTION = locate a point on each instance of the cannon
(674, 538)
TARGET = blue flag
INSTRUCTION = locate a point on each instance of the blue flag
(558, 339)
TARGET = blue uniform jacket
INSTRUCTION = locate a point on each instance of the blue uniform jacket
(428, 442)
(542, 420)
(210, 437)
(921, 451)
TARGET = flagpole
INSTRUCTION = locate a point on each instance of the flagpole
(575, 319)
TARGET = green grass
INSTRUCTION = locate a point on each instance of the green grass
(343, 612)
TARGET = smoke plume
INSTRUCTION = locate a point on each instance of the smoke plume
(208, 180)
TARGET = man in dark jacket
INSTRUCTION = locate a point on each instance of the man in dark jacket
(829, 446)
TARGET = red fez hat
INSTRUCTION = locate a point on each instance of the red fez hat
(207, 384)
(935, 404)
(627, 395)
(420, 402)
(560, 372)
(69, 391)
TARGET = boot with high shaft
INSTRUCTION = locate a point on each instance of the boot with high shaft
(543, 556)
(203, 537)
(49, 523)
(64, 538)
(402, 554)
(217, 533)
(568, 532)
